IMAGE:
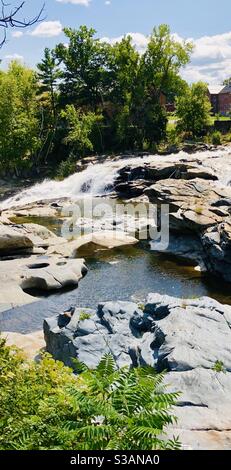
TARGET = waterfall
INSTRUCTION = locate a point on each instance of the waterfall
(98, 179)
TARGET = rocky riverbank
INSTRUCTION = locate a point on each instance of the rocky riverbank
(199, 197)
(190, 338)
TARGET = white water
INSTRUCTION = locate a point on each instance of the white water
(97, 179)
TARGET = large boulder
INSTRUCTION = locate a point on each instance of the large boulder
(105, 239)
(166, 333)
(133, 179)
(52, 273)
(12, 241)
(190, 338)
(216, 242)
(88, 335)
(39, 273)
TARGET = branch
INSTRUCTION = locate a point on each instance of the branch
(10, 18)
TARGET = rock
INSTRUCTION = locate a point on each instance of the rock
(41, 273)
(105, 239)
(12, 241)
(33, 210)
(195, 209)
(28, 238)
(203, 421)
(185, 195)
(11, 294)
(187, 247)
(185, 336)
(133, 180)
(32, 344)
(52, 274)
(107, 330)
(169, 333)
(217, 246)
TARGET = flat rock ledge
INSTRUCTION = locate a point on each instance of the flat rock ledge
(185, 337)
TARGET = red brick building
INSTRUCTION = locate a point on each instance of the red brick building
(220, 97)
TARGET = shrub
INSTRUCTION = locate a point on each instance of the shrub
(216, 138)
(66, 168)
(84, 316)
(44, 406)
(173, 136)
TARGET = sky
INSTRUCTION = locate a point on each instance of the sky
(206, 22)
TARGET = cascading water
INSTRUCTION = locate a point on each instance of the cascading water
(98, 179)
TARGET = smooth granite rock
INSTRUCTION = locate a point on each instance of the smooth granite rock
(185, 336)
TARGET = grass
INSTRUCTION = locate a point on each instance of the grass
(220, 118)
(219, 367)
(198, 210)
(141, 307)
(84, 316)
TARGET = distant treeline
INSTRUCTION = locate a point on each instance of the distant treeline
(90, 96)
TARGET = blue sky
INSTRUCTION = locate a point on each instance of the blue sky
(207, 22)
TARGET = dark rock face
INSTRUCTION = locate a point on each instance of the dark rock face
(132, 180)
(217, 246)
(200, 210)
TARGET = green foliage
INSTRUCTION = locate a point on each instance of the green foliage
(89, 96)
(84, 316)
(19, 121)
(66, 167)
(173, 136)
(216, 138)
(49, 75)
(219, 367)
(80, 126)
(85, 73)
(45, 406)
(193, 110)
(161, 63)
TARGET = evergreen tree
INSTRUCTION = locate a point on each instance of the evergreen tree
(49, 76)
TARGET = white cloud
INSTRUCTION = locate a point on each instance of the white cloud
(17, 34)
(47, 29)
(140, 41)
(211, 59)
(14, 56)
(85, 3)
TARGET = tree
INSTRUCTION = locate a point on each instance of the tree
(158, 74)
(10, 18)
(44, 406)
(49, 75)
(80, 126)
(227, 82)
(161, 63)
(193, 110)
(124, 63)
(85, 73)
(19, 122)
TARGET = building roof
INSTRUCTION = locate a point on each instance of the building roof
(219, 89)
(226, 89)
(216, 89)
